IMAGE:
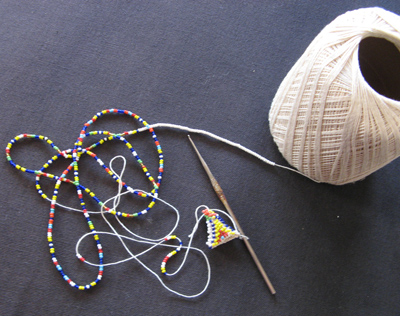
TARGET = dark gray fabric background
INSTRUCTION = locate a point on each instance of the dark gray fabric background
(214, 65)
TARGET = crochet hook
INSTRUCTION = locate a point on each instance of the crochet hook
(221, 196)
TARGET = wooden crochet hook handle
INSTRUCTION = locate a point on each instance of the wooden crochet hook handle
(221, 196)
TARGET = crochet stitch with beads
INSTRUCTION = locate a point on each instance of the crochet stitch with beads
(218, 231)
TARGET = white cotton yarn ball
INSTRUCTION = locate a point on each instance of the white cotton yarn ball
(327, 120)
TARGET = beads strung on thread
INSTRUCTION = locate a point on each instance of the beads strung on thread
(76, 154)
(172, 253)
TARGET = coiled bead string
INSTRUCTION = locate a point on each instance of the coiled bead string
(75, 154)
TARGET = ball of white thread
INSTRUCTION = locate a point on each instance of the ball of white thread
(327, 121)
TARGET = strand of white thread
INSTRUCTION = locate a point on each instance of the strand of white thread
(221, 139)
(116, 200)
(153, 242)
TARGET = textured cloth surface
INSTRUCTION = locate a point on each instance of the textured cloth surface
(214, 65)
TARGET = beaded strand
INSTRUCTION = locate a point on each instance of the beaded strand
(75, 154)
(172, 253)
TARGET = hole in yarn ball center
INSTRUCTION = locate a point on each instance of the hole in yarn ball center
(379, 61)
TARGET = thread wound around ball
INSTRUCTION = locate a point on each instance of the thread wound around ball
(336, 115)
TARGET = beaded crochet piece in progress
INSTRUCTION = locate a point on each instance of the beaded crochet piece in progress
(336, 115)
(218, 231)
